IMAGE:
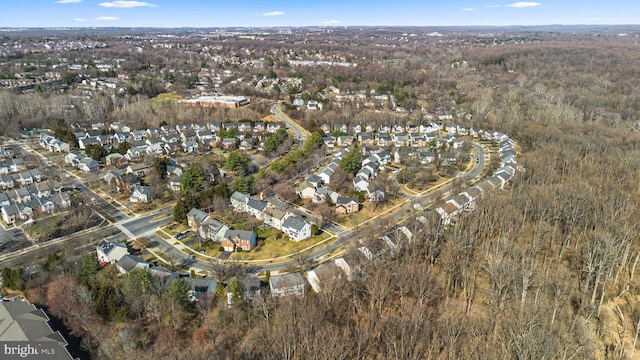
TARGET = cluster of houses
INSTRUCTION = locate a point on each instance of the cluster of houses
(210, 228)
(294, 226)
(465, 200)
(313, 187)
(163, 140)
(349, 266)
(110, 252)
(25, 192)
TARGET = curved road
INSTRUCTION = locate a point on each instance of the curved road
(147, 225)
(301, 134)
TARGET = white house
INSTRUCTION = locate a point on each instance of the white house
(296, 228)
(287, 284)
(110, 252)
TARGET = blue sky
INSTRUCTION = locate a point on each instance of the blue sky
(228, 13)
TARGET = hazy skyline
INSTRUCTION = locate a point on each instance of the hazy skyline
(203, 13)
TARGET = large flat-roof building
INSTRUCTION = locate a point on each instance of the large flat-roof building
(216, 101)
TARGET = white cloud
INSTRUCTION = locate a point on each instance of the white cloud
(523, 4)
(68, 1)
(125, 4)
(332, 22)
(272, 13)
(492, 6)
(467, 9)
(79, 19)
(106, 18)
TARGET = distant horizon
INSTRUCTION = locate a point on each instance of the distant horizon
(311, 26)
(331, 13)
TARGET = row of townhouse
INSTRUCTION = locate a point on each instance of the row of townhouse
(356, 129)
(11, 165)
(294, 226)
(166, 139)
(465, 200)
(24, 178)
(109, 252)
(397, 139)
(22, 203)
(52, 144)
(210, 228)
(369, 171)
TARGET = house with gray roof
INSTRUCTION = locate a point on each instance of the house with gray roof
(110, 252)
(239, 201)
(324, 275)
(296, 228)
(130, 262)
(256, 208)
(234, 239)
(287, 284)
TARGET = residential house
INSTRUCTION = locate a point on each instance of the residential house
(84, 142)
(461, 201)
(195, 217)
(139, 169)
(324, 195)
(345, 140)
(325, 175)
(174, 183)
(350, 264)
(87, 164)
(110, 252)
(234, 239)
(128, 263)
(229, 143)
(10, 214)
(347, 205)
(189, 146)
(246, 144)
(61, 200)
(325, 275)
(272, 127)
(287, 284)
(143, 194)
(361, 183)
(447, 212)
(239, 201)
(212, 229)
(256, 208)
(4, 199)
(6, 182)
(134, 153)
(249, 286)
(383, 139)
(115, 159)
(201, 287)
(275, 217)
(374, 248)
(296, 228)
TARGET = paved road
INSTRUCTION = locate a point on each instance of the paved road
(300, 133)
(147, 225)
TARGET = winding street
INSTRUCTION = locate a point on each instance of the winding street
(125, 226)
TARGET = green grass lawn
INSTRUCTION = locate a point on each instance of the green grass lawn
(166, 97)
(273, 247)
(175, 228)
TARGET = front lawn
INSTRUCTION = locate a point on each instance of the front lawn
(271, 245)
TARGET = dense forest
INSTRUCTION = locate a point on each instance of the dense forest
(546, 269)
